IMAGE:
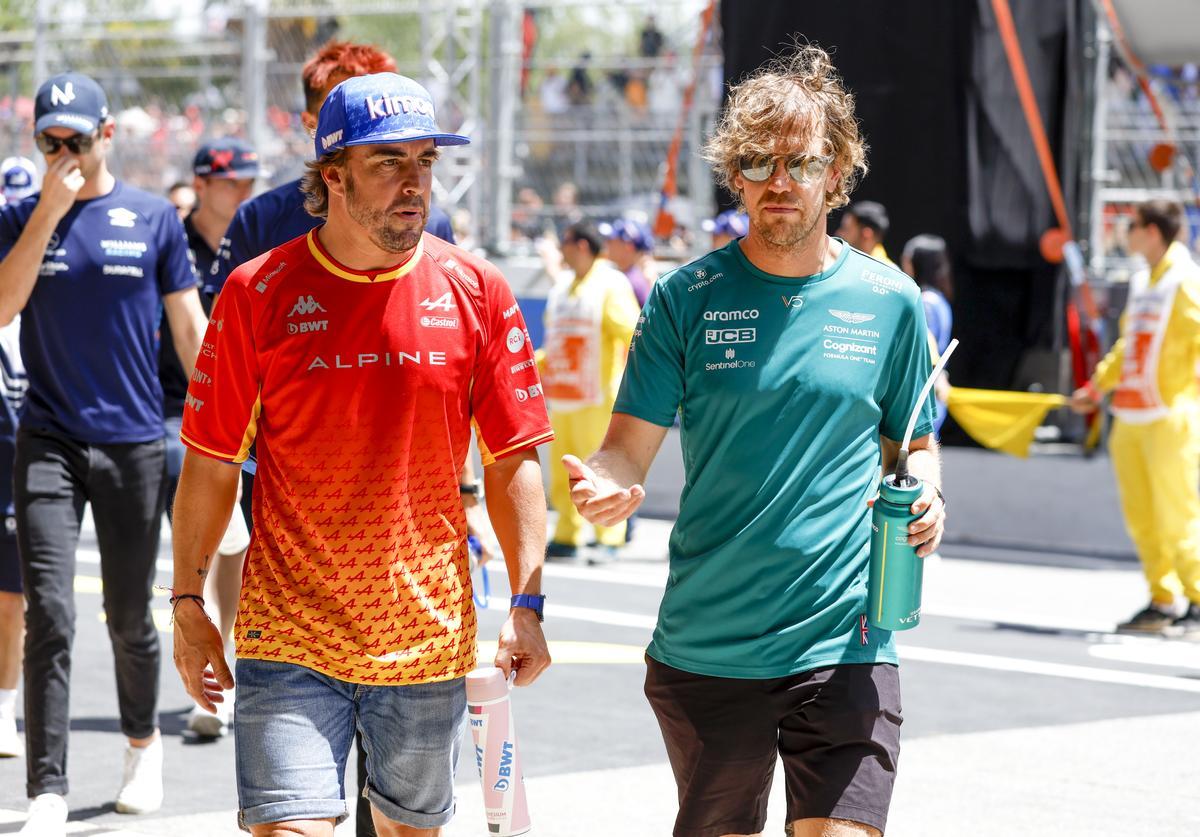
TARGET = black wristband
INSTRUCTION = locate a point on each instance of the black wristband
(176, 599)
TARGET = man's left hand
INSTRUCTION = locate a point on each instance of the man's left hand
(522, 647)
(926, 531)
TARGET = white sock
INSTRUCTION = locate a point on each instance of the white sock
(8, 703)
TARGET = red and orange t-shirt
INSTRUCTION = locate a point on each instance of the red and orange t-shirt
(360, 391)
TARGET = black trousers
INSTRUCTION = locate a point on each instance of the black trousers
(54, 477)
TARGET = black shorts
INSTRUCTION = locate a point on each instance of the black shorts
(836, 728)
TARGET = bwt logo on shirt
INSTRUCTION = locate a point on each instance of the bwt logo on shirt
(396, 105)
(307, 326)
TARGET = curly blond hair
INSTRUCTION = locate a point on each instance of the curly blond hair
(799, 95)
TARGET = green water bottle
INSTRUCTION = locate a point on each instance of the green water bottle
(896, 571)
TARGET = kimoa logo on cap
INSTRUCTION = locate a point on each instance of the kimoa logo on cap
(396, 105)
(64, 96)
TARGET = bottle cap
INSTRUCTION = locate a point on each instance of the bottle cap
(486, 684)
(904, 494)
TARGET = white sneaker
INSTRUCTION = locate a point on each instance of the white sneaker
(11, 744)
(141, 785)
(47, 816)
(208, 724)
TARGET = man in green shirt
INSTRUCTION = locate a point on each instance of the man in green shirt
(795, 362)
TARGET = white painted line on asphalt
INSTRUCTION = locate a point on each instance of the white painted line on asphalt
(1154, 652)
(618, 618)
(1020, 618)
(1073, 672)
(655, 576)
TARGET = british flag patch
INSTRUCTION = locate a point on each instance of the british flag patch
(863, 631)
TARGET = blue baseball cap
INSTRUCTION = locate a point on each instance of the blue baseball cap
(226, 159)
(731, 223)
(18, 178)
(378, 109)
(70, 100)
(636, 233)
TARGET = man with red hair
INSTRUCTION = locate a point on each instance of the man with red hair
(278, 216)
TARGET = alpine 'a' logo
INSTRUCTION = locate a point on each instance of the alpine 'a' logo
(445, 302)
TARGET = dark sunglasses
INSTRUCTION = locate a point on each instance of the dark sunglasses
(77, 144)
(803, 168)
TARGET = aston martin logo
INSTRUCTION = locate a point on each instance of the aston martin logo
(851, 317)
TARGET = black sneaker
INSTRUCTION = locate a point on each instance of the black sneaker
(1151, 619)
(556, 551)
(1186, 626)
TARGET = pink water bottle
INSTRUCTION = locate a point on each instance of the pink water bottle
(495, 738)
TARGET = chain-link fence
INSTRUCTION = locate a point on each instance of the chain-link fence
(508, 73)
(1138, 159)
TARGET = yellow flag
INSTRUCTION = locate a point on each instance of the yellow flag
(1003, 421)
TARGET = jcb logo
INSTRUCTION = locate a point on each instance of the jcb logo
(717, 336)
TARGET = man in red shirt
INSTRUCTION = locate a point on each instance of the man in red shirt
(358, 357)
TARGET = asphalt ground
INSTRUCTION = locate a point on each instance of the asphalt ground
(1024, 714)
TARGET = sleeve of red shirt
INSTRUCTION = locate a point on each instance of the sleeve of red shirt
(507, 405)
(220, 415)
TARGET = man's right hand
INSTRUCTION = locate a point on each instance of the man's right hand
(200, 655)
(600, 500)
(60, 187)
(1082, 402)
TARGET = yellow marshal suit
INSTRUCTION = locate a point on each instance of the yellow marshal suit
(1151, 371)
(589, 323)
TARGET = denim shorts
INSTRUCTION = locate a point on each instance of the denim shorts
(293, 729)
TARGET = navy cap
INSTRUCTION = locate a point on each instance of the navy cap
(18, 178)
(70, 100)
(378, 109)
(228, 159)
(635, 232)
(729, 222)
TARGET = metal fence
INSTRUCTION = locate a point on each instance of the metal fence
(179, 72)
(1136, 158)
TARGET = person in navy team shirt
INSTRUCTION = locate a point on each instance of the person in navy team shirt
(18, 180)
(278, 216)
(224, 172)
(87, 263)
